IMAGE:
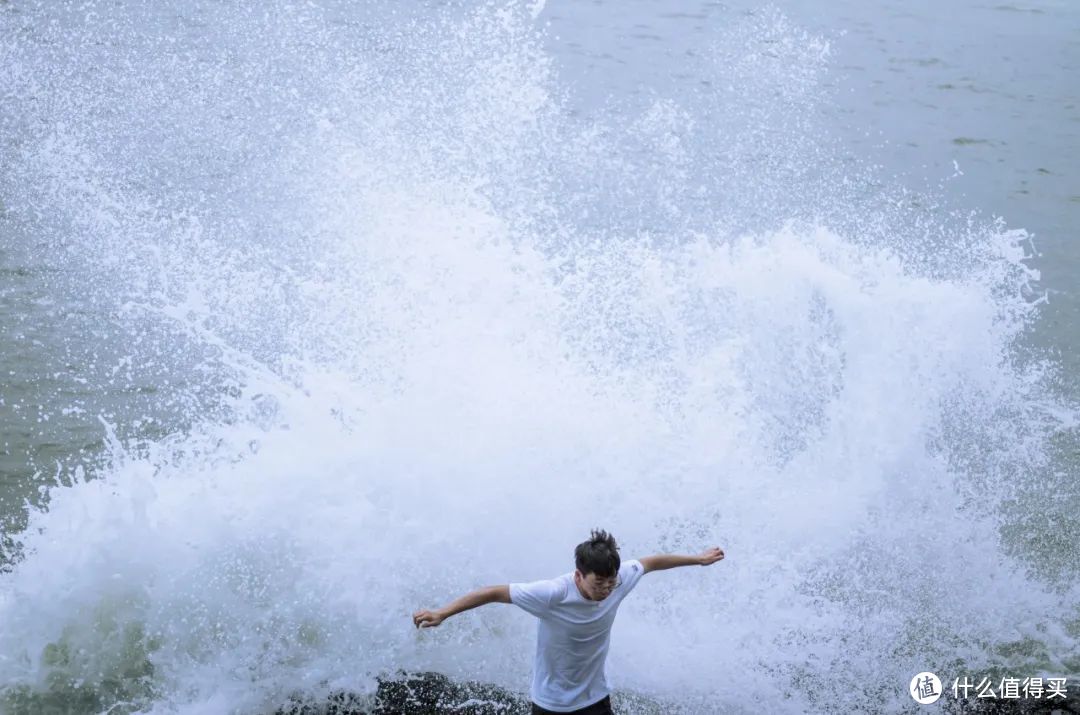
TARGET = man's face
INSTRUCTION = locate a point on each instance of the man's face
(593, 587)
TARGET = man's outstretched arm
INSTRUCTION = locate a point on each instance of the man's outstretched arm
(670, 561)
(479, 597)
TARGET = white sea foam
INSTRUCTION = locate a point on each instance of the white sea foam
(452, 329)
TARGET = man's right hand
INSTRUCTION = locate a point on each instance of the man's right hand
(711, 556)
(472, 599)
(427, 619)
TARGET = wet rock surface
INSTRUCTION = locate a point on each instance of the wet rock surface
(436, 694)
(1069, 705)
(416, 693)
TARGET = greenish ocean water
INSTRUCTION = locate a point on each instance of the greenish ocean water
(310, 316)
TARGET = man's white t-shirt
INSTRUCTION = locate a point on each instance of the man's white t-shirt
(572, 637)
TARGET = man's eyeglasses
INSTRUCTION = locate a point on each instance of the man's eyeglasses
(608, 586)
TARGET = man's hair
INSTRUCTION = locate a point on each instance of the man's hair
(598, 555)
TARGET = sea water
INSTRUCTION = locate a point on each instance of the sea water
(315, 315)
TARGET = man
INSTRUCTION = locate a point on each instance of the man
(576, 611)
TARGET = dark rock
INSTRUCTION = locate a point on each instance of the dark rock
(339, 703)
(1070, 705)
(435, 694)
(432, 693)
(417, 694)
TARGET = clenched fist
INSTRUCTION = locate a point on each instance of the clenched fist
(427, 619)
(711, 556)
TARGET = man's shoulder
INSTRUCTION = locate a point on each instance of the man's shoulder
(549, 588)
(562, 582)
(630, 572)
